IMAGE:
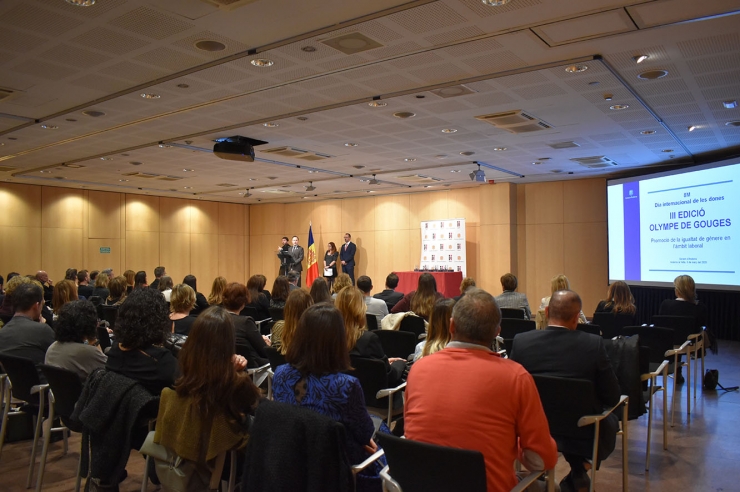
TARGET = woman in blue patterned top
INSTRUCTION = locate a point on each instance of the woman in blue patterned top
(313, 378)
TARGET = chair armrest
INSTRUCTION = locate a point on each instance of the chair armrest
(39, 388)
(259, 323)
(591, 419)
(657, 372)
(255, 370)
(680, 350)
(389, 391)
(389, 485)
(370, 460)
(531, 478)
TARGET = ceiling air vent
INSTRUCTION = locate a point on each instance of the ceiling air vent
(276, 192)
(516, 121)
(352, 43)
(453, 91)
(226, 185)
(143, 175)
(306, 155)
(564, 145)
(169, 178)
(595, 162)
(227, 5)
(418, 178)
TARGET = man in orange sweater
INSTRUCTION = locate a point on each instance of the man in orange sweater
(466, 396)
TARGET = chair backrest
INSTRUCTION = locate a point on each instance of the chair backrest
(110, 314)
(513, 313)
(103, 337)
(659, 340)
(373, 378)
(414, 324)
(510, 327)
(66, 387)
(683, 326)
(275, 357)
(23, 376)
(277, 313)
(565, 401)
(397, 343)
(416, 466)
(372, 322)
(589, 328)
(611, 324)
(249, 311)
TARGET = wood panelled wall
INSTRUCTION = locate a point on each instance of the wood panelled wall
(56, 228)
(533, 230)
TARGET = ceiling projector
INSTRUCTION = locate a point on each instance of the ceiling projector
(236, 148)
(479, 176)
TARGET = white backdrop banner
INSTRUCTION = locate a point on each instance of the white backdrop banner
(443, 245)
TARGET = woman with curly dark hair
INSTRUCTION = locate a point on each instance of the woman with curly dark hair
(76, 347)
(140, 330)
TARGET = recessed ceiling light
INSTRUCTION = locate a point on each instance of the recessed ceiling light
(729, 104)
(441, 156)
(188, 187)
(123, 180)
(576, 68)
(270, 124)
(537, 163)
(253, 179)
(93, 114)
(499, 149)
(165, 146)
(691, 128)
(106, 159)
(308, 49)
(359, 166)
(449, 130)
(210, 45)
(594, 82)
(667, 150)
(619, 107)
(404, 114)
(81, 3)
(377, 104)
(495, 3)
(135, 163)
(647, 132)
(71, 120)
(640, 58)
(312, 171)
(733, 123)
(262, 62)
(149, 95)
(272, 177)
(410, 159)
(188, 170)
(467, 152)
(183, 86)
(652, 74)
(302, 118)
(49, 127)
(350, 144)
(455, 171)
(428, 186)
(45, 171)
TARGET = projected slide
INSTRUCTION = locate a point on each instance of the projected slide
(683, 223)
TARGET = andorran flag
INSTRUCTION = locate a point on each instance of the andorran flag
(312, 268)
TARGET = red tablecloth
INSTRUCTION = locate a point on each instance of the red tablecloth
(448, 283)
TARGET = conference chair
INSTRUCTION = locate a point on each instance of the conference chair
(277, 314)
(380, 399)
(590, 328)
(510, 327)
(685, 330)
(23, 384)
(611, 324)
(514, 313)
(65, 389)
(654, 344)
(276, 359)
(397, 343)
(568, 405)
(371, 321)
(414, 324)
(414, 466)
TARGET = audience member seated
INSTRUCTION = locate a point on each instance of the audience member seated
(165, 287)
(283, 331)
(84, 289)
(263, 283)
(618, 300)
(207, 413)
(26, 334)
(201, 303)
(140, 280)
(280, 291)
(342, 281)
(64, 292)
(558, 282)
(376, 307)
(499, 414)
(314, 378)
(76, 347)
(94, 275)
(216, 297)
(562, 350)
(389, 294)
(117, 291)
(685, 303)
(109, 272)
(361, 342)
(466, 283)
(258, 300)
(509, 298)
(130, 282)
(320, 291)
(46, 284)
(2, 290)
(71, 275)
(420, 301)
(101, 287)
(182, 301)
(438, 332)
(140, 330)
(293, 278)
(159, 272)
(7, 309)
(248, 335)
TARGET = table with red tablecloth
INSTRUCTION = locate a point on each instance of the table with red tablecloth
(448, 283)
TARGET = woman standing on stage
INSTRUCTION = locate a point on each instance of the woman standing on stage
(330, 262)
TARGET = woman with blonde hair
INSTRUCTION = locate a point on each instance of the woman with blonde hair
(343, 280)
(182, 301)
(558, 282)
(64, 292)
(282, 331)
(101, 286)
(420, 301)
(363, 343)
(438, 333)
(618, 300)
(217, 291)
(685, 303)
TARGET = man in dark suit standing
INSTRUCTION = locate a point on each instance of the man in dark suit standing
(563, 351)
(347, 256)
(296, 265)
